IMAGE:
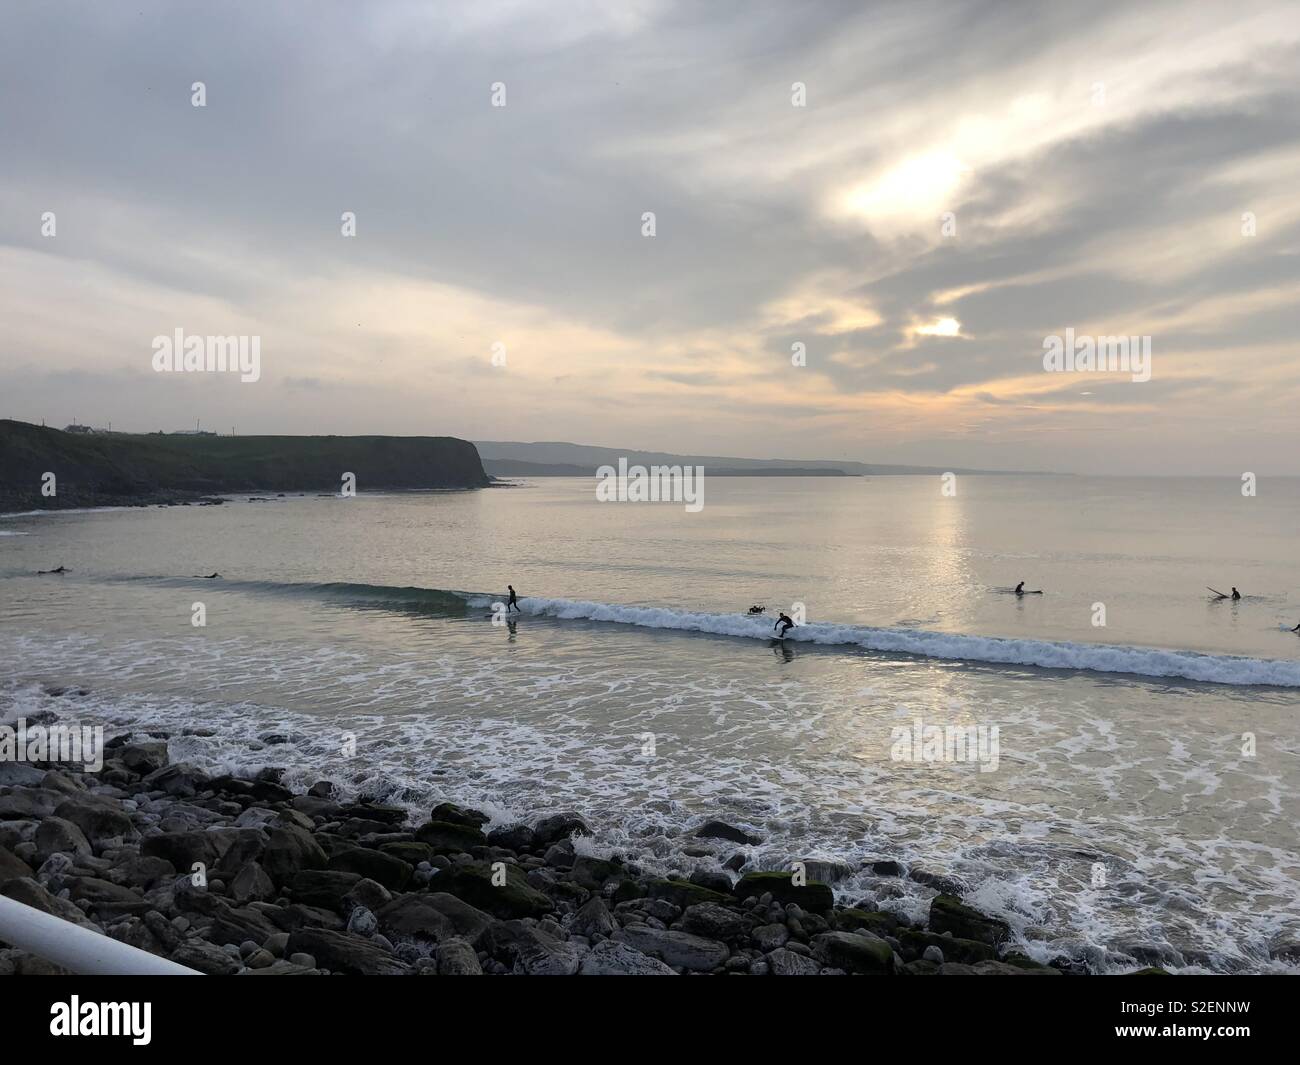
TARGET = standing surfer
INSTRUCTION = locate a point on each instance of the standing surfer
(784, 624)
(514, 602)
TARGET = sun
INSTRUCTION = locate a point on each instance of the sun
(918, 189)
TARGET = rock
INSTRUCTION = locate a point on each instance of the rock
(1150, 970)
(531, 951)
(57, 835)
(444, 837)
(887, 868)
(344, 953)
(856, 952)
(949, 914)
(408, 851)
(205, 957)
(722, 830)
(953, 948)
(712, 921)
(361, 922)
(770, 937)
(143, 758)
(682, 893)
(513, 837)
(251, 884)
(679, 949)
(375, 865)
(322, 789)
(305, 961)
(373, 896)
(593, 873)
(784, 962)
(216, 848)
(19, 774)
(28, 804)
(458, 815)
(557, 827)
(323, 887)
(11, 866)
(814, 896)
(620, 959)
(920, 967)
(457, 958)
(30, 893)
(182, 780)
(945, 885)
(277, 944)
(712, 879)
(289, 851)
(878, 922)
(593, 919)
(826, 871)
(514, 898)
(933, 954)
(291, 918)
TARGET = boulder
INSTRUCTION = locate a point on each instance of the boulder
(27, 891)
(531, 951)
(457, 958)
(722, 830)
(593, 919)
(56, 835)
(458, 815)
(205, 957)
(620, 959)
(782, 962)
(854, 952)
(950, 914)
(513, 898)
(289, 851)
(344, 953)
(557, 827)
(813, 896)
(444, 837)
(12, 867)
(679, 949)
(323, 887)
(383, 868)
(712, 921)
(251, 884)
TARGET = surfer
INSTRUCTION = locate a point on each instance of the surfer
(514, 601)
(1296, 630)
(1235, 595)
(1020, 588)
(206, 576)
(784, 623)
(61, 569)
(757, 609)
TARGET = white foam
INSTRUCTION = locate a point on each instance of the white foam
(1101, 658)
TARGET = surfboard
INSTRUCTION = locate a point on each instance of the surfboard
(1217, 592)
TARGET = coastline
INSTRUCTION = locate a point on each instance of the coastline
(308, 883)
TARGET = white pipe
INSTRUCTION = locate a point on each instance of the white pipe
(78, 949)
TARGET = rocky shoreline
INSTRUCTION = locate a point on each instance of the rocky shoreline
(240, 875)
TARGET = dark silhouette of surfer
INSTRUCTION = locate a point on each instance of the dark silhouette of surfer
(1235, 595)
(1020, 590)
(783, 624)
(757, 609)
(207, 576)
(514, 601)
(61, 569)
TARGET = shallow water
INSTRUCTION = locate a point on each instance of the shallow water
(1119, 811)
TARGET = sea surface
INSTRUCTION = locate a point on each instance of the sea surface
(1133, 797)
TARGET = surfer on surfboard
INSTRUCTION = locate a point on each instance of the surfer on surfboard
(784, 624)
(41, 572)
(1020, 590)
(514, 601)
(1234, 596)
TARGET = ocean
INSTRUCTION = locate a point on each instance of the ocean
(1132, 795)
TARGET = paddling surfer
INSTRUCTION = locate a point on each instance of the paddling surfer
(40, 572)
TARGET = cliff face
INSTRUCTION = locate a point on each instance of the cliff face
(115, 469)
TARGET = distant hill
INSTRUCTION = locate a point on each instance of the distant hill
(501, 457)
(122, 469)
(515, 468)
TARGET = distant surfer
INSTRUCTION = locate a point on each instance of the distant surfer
(1235, 595)
(783, 624)
(41, 572)
(757, 609)
(1296, 630)
(206, 576)
(514, 601)
(1020, 588)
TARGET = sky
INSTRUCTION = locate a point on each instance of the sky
(915, 196)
